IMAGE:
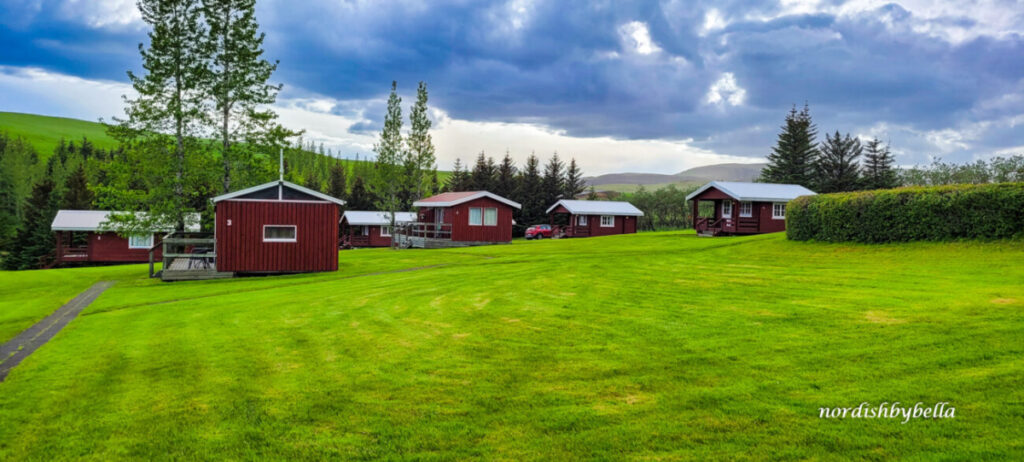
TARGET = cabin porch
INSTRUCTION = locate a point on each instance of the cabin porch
(421, 235)
(187, 256)
(715, 217)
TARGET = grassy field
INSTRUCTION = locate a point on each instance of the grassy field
(45, 132)
(652, 346)
(631, 188)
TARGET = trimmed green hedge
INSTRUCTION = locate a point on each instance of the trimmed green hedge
(988, 211)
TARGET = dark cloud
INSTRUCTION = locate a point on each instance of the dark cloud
(568, 65)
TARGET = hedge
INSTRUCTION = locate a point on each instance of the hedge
(987, 211)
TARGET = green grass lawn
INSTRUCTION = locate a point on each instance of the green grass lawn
(632, 188)
(45, 132)
(651, 346)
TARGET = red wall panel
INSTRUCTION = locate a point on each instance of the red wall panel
(111, 248)
(240, 245)
(458, 217)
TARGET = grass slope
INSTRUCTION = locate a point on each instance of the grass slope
(45, 132)
(650, 346)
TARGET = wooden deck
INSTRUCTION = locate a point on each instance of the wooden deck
(188, 257)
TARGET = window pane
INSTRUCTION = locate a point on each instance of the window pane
(607, 220)
(475, 217)
(279, 233)
(491, 217)
(140, 241)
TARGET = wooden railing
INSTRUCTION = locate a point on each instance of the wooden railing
(403, 232)
(198, 250)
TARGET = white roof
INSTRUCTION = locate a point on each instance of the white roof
(317, 194)
(375, 218)
(91, 220)
(460, 197)
(756, 192)
(579, 207)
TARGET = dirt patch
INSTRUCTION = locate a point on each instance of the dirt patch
(1003, 301)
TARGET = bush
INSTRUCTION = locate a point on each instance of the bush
(990, 211)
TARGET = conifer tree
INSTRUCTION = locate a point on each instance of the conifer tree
(530, 193)
(77, 195)
(336, 186)
(34, 242)
(878, 166)
(387, 178)
(838, 166)
(553, 184)
(483, 176)
(420, 155)
(459, 180)
(171, 99)
(505, 177)
(574, 184)
(359, 198)
(238, 80)
(793, 158)
(592, 195)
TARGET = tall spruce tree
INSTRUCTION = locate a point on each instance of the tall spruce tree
(505, 177)
(838, 167)
(459, 179)
(387, 179)
(33, 246)
(878, 166)
(793, 158)
(171, 99)
(553, 184)
(574, 184)
(337, 184)
(77, 195)
(359, 198)
(420, 155)
(530, 194)
(483, 176)
(238, 81)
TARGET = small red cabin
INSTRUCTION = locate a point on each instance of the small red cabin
(722, 207)
(82, 237)
(595, 218)
(277, 227)
(369, 228)
(462, 218)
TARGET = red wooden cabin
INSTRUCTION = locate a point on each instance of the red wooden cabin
(370, 228)
(277, 227)
(722, 207)
(595, 218)
(83, 237)
(462, 218)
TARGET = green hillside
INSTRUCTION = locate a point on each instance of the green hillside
(655, 346)
(44, 132)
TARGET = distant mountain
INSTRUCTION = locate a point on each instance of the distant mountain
(722, 172)
(719, 172)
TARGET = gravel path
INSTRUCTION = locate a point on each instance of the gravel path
(18, 348)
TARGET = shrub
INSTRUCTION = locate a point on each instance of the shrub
(991, 211)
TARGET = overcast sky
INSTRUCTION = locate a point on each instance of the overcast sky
(641, 86)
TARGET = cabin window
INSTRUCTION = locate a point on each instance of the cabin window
(581, 220)
(727, 209)
(279, 233)
(607, 221)
(779, 210)
(476, 217)
(746, 209)
(140, 241)
(490, 216)
(385, 231)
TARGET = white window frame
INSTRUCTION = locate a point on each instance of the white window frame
(775, 210)
(480, 215)
(490, 223)
(385, 231)
(611, 221)
(148, 245)
(294, 239)
(581, 220)
(726, 205)
(749, 206)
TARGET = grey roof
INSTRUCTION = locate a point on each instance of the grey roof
(317, 194)
(92, 220)
(578, 207)
(375, 218)
(756, 192)
(450, 199)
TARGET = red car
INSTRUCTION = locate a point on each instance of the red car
(538, 232)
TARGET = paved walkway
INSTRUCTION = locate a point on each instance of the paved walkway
(18, 348)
